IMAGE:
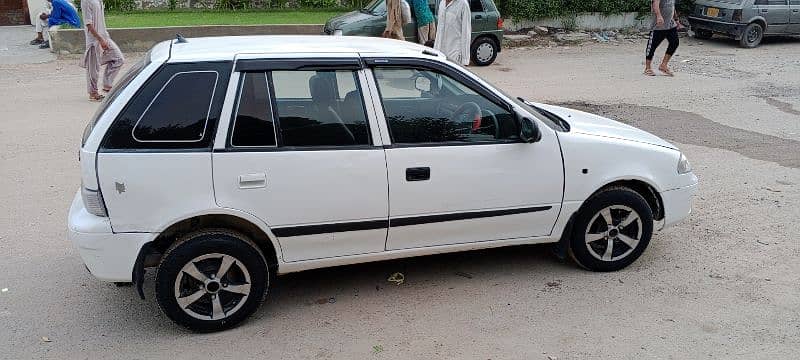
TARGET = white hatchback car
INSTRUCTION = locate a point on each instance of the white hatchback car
(223, 162)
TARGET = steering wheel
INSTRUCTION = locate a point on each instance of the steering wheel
(496, 123)
(467, 112)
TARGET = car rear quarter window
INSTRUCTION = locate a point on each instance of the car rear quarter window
(177, 108)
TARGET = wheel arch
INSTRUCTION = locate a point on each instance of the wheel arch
(151, 253)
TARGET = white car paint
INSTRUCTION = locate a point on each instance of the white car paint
(312, 187)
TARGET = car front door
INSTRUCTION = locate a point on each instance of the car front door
(794, 7)
(299, 155)
(776, 12)
(458, 172)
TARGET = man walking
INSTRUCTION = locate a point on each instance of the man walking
(665, 26)
(57, 13)
(100, 49)
(426, 24)
(454, 33)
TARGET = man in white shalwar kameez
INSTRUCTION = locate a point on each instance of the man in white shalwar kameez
(454, 33)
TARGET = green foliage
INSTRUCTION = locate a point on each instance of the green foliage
(120, 5)
(535, 9)
(172, 4)
(234, 4)
(319, 3)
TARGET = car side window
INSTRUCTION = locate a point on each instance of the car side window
(424, 107)
(179, 112)
(476, 5)
(177, 108)
(320, 108)
(253, 124)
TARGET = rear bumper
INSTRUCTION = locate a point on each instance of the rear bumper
(677, 204)
(721, 27)
(108, 256)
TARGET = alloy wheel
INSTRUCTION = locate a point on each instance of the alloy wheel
(212, 286)
(613, 233)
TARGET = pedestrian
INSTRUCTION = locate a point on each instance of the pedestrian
(100, 49)
(55, 14)
(454, 33)
(665, 26)
(426, 24)
(394, 20)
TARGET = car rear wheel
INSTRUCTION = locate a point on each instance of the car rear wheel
(703, 34)
(752, 35)
(211, 280)
(484, 51)
(611, 230)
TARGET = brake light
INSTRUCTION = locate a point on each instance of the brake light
(93, 202)
(737, 15)
(499, 23)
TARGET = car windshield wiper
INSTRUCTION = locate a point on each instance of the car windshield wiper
(553, 117)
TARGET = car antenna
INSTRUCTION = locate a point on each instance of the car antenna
(180, 39)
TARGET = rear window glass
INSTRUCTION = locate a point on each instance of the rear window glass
(180, 111)
(126, 79)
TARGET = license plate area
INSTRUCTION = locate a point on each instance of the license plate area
(712, 12)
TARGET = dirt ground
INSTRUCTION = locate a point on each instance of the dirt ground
(722, 284)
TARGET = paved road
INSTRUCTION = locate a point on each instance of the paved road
(723, 284)
(14, 47)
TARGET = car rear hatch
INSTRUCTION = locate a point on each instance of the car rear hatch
(719, 10)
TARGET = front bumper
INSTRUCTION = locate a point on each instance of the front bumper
(720, 27)
(108, 256)
(677, 204)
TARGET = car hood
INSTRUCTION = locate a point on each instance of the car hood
(591, 124)
(337, 22)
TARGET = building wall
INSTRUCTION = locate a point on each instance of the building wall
(12, 12)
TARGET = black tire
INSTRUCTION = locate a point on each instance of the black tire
(703, 34)
(218, 246)
(484, 51)
(752, 35)
(618, 200)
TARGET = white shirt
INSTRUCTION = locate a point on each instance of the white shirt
(454, 33)
(93, 14)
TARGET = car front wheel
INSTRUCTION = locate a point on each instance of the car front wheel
(611, 230)
(211, 280)
(484, 51)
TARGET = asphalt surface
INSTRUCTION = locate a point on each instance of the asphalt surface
(722, 284)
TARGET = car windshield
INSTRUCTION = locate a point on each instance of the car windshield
(126, 79)
(375, 7)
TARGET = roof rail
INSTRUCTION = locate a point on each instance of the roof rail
(180, 39)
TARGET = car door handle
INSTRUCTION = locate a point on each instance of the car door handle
(253, 181)
(418, 174)
(795, 10)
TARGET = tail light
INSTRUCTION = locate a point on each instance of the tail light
(499, 23)
(93, 202)
(737, 15)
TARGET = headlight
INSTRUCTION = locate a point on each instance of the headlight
(684, 166)
(337, 32)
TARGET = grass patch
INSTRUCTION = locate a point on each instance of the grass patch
(190, 17)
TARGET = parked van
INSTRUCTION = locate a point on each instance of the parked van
(745, 20)
(487, 26)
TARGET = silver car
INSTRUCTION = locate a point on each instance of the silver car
(745, 20)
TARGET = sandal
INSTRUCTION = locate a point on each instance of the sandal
(650, 72)
(106, 90)
(96, 98)
(666, 71)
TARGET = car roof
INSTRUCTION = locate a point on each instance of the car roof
(228, 47)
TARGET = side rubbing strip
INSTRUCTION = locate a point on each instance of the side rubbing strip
(428, 219)
(330, 228)
(290, 231)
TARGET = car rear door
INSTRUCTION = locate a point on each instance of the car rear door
(457, 170)
(794, 20)
(299, 154)
(776, 12)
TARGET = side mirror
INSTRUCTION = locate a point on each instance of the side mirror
(529, 132)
